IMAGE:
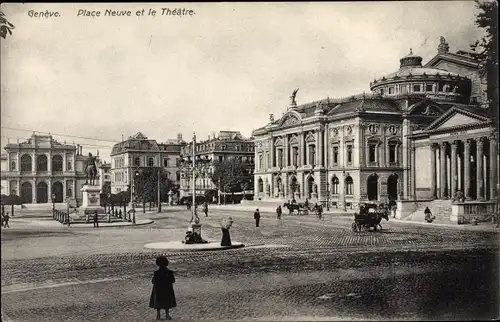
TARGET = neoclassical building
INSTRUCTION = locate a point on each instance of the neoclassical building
(42, 167)
(139, 152)
(423, 133)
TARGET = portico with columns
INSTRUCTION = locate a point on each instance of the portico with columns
(462, 152)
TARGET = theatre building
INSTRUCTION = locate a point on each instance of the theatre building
(41, 168)
(423, 133)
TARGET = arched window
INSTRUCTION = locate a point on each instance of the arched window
(41, 162)
(335, 185)
(261, 185)
(349, 185)
(26, 163)
(57, 163)
(151, 162)
(13, 166)
(69, 165)
(137, 161)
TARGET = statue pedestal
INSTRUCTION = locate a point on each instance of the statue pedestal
(91, 200)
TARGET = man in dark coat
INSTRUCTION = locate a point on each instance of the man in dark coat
(205, 208)
(278, 212)
(96, 219)
(162, 295)
(256, 216)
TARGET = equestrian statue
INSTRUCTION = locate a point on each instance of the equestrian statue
(91, 170)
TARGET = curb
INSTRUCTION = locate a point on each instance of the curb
(182, 250)
(452, 226)
(77, 225)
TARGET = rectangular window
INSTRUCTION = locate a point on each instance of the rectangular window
(392, 153)
(335, 155)
(404, 89)
(165, 162)
(391, 90)
(371, 152)
(381, 91)
(221, 158)
(416, 88)
(441, 87)
(349, 154)
(428, 88)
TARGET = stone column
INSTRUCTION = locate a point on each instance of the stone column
(272, 152)
(367, 153)
(386, 161)
(467, 169)
(442, 159)
(49, 190)
(318, 148)
(287, 152)
(64, 161)
(453, 168)
(326, 150)
(49, 163)
(479, 168)
(64, 190)
(301, 150)
(33, 162)
(493, 167)
(433, 171)
(34, 190)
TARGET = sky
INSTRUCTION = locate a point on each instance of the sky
(226, 67)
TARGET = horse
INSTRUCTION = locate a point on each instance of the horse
(291, 207)
(370, 219)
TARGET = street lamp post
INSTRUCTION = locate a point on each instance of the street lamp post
(194, 166)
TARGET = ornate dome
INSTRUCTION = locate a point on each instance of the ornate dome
(413, 78)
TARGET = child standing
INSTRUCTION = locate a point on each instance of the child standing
(162, 295)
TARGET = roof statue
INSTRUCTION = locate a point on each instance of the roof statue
(292, 98)
(443, 46)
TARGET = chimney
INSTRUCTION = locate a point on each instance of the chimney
(78, 149)
(179, 137)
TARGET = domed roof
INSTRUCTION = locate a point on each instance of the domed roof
(411, 65)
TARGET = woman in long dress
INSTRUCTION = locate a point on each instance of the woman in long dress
(162, 295)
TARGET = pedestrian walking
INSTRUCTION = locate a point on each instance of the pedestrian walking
(6, 220)
(256, 216)
(226, 237)
(428, 215)
(163, 295)
(279, 211)
(96, 219)
(205, 208)
(120, 214)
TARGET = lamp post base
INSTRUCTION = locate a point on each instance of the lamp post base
(193, 235)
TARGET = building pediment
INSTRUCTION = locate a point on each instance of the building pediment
(290, 119)
(426, 108)
(456, 118)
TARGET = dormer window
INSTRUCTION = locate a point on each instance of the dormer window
(429, 88)
(391, 90)
(416, 88)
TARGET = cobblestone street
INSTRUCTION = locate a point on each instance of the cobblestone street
(298, 269)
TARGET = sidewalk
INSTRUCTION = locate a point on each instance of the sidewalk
(51, 223)
(479, 227)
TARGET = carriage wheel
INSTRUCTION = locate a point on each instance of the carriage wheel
(366, 227)
(354, 227)
(375, 228)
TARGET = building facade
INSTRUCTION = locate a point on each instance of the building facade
(139, 152)
(225, 145)
(378, 146)
(104, 174)
(41, 167)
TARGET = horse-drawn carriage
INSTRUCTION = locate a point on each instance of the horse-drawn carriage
(303, 208)
(369, 217)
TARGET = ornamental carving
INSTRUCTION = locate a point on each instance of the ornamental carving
(293, 140)
(334, 132)
(348, 129)
(392, 129)
(428, 111)
(278, 142)
(373, 128)
(290, 120)
(310, 138)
